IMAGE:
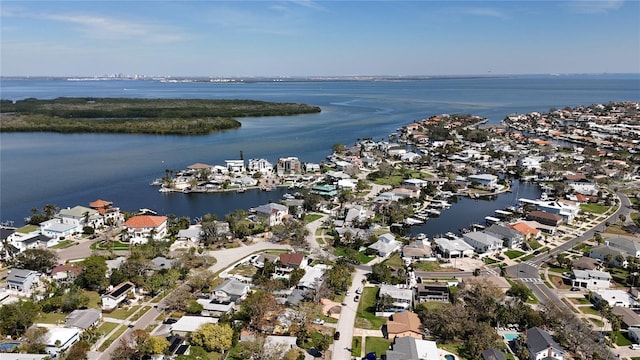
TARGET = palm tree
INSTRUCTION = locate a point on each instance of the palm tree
(50, 210)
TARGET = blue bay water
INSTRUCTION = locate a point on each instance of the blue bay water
(72, 169)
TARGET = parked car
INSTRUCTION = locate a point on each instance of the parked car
(336, 335)
(317, 321)
(359, 291)
(356, 298)
(170, 321)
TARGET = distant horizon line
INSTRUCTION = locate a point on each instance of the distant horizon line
(120, 76)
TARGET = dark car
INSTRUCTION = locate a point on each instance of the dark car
(170, 321)
(336, 335)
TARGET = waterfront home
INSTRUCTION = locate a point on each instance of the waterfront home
(262, 166)
(113, 298)
(22, 242)
(288, 165)
(511, 237)
(567, 209)
(432, 291)
(542, 346)
(484, 181)
(529, 232)
(453, 248)
(416, 250)
(65, 273)
(482, 242)
(22, 279)
(591, 279)
(56, 229)
(83, 319)
(312, 167)
(545, 218)
(110, 213)
(192, 234)
(234, 166)
(324, 190)
(402, 299)
(231, 290)
(141, 228)
(7, 250)
(385, 245)
(59, 339)
(81, 216)
(404, 323)
(406, 348)
(272, 213)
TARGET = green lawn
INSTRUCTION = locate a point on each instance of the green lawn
(244, 270)
(594, 208)
(589, 310)
(512, 254)
(64, 244)
(106, 327)
(452, 348)
(365, 317)
(527, 257)
(596, 322)
(27, 229)
(356, 346)
(376, 344)
(621, 338)
(115, 246)
(426, 266)
(51, 318)
(394, 261)
(112, 338)
(95, 301)
(311, 218)
(123, 313)
(489, 261)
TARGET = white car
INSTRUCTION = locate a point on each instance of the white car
(359, 291)
(317, 321)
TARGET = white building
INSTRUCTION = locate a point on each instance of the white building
(402, 298)
(482, 242)
(142, 227)
(60, 339)
(113, 298)
(616, 298)
(234, 166)
(385, 245)
(81, 216)
(56, 229)
(485, 181)
(260, 165)
(591, 279)
(272, 213)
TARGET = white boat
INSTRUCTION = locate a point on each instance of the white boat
(433, 212)
(147, 211)
(164, 189)
(412, 221)
(156, 182)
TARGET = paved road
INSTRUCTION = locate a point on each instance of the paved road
(228, 257)
(528, 270)
(341, 348)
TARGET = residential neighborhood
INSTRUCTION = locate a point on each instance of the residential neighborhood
(336, 270)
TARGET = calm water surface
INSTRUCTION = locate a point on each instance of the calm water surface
(72, 169)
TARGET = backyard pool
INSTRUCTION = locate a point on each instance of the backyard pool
(449, 357)
(510, 337)
(8, 346)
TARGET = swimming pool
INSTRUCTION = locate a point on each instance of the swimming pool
(450, 357)
(8, 346)
(510, 337)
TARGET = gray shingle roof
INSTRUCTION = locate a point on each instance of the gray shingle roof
(538, 340)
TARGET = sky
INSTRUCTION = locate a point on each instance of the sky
(318, 38)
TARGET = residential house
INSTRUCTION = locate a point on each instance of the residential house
(630, 319)
(272, 213)
(83, 319)
(215, 308)
(292, 261)
(416, 250)
(484, 181)
(276, 346)
(110, 213)
(545, 218)
(529, 232)
(6, 248)
(585, 263)
(629, 246)
(260, 260)
(385, 245)
(568, 210)
(493, 354)
(404, 323)
(615, 297)
(22, 279)
(260, 165)
(634, 335)
(59, 339)
(234, 166)
(511, 237)
(409, 348)
(453, 248)
(231, 290)
(542, 346)
(610, 255)
(113, 298)
(482, 242)
(141, 228)
(188, 324)
(402, 299)
(22, 242)
(432, 291)
(288, 165)
(81, 216)
(177, 346)
(192, 234)
(56, 229)
(591, 279)
(65, 273)
(312, 277)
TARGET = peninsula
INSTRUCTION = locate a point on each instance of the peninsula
(137, 116)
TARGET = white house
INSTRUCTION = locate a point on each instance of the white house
(60, 339)
(81, 216)
(113, 298)
(231, 290)
(235, 166)
(142, 227)
(485, 181)
(385, 245)
(273, 213)
(260, 165)
(482, 242)
(401, 298)
(542, 346)
(22, 279)
(188, 324)
(591, 279)
(56, 229)
(616, 298)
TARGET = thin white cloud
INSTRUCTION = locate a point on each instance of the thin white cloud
(105, 28)
(277, 20)
(594, 6)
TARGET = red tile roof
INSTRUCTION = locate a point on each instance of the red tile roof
(145, 221)
(100, 204)
(291, 259)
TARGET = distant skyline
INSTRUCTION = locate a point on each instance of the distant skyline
(318, 38)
